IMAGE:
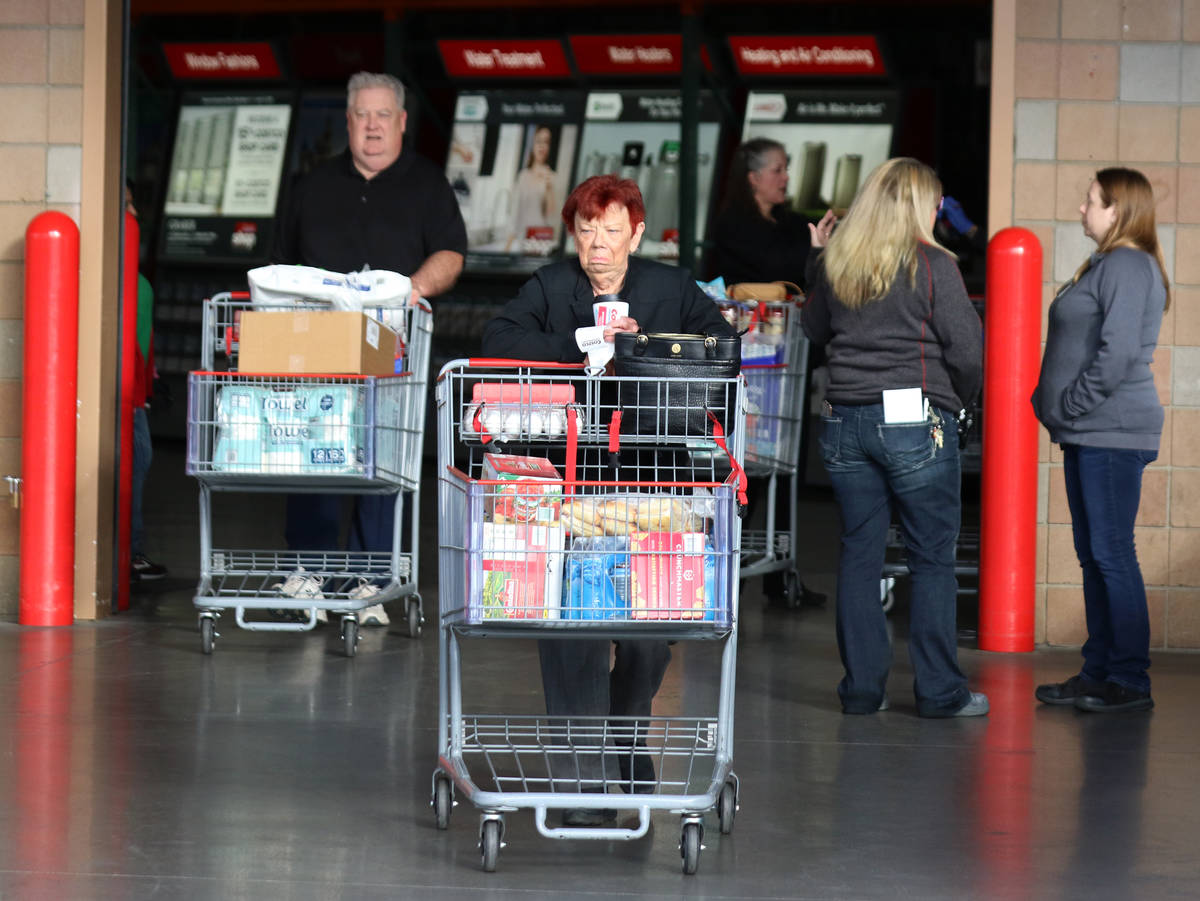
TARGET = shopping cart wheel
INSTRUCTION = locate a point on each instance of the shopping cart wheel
(887, 596)
(208, 634)
(350, 635)
(442, 802)
(489, 844)
(727, 807)
(414, 618)
(689, 847)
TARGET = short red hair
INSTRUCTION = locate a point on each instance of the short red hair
(596, 194)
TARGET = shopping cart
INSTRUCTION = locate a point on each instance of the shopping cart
(639, 539)
(252, 432)
(775, 364)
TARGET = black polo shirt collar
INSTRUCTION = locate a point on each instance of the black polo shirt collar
(395, 171)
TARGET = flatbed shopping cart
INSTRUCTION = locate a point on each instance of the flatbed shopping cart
(639, 537)
(262, 432)
(775, 365)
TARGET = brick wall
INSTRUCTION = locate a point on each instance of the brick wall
(1099, 83)
(41, 74)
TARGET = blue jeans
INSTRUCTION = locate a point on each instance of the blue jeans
(874, 466)
(314, 522)
(1104, 488)
(143, 455)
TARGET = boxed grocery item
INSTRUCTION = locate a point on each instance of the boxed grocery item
(531, 492)
(522, 572)
(667, 576)
(315, 342)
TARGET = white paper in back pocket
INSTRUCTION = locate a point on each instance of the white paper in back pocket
(902, 405)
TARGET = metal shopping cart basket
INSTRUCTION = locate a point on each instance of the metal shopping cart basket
(775, 365)
(251, 432)
(634, 534)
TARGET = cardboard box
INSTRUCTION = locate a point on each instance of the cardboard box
(532, 492)
(315, 342)
(667, 576)
(522, 572)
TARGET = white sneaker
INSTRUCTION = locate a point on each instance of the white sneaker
(300, 585)
(374, 615)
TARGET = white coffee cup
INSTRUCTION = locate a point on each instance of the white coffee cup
(606, 312)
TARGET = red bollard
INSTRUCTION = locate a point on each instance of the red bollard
(48, 422)
(129, 303)
(1012, 357)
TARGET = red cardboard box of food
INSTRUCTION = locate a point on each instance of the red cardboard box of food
(532, 490)
(522, 572)
(666, 575)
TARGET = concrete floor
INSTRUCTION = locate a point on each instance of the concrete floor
(132, 766)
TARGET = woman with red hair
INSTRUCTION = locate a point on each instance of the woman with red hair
(606, 216)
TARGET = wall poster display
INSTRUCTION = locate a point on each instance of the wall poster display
(834, 138)
(224, 180)
(510, 162)
(635, 134)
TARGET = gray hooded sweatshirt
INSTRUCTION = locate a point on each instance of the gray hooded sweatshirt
(1095, 387)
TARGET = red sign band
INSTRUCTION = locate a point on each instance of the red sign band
(504, 59)
(822, 55)
(222, 60)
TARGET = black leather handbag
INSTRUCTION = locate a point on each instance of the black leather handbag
(682, 386)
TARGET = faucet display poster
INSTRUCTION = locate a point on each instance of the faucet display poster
(511, 157)
(834, 138)
(224, 180)
(635, 134)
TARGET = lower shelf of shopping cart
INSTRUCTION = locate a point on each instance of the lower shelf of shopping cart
(333, 583)
(505, 764)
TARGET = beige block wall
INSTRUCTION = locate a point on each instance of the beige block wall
(41, 78)
(1100, 83)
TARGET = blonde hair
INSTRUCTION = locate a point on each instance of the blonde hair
(891, 216)
(1133, 226)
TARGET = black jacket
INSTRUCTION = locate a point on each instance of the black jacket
(750, 248)
(540, 322)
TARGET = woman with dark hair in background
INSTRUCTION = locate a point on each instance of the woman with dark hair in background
(1096, 396)
(889, 304)
(758, 238)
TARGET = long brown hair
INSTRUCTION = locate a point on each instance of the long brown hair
(1130, 191)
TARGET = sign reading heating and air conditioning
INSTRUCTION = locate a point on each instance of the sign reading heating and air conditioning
(812, 55)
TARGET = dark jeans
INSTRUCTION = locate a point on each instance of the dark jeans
(1104, 488)
(872, 466)
(314, 522)
(577, 682)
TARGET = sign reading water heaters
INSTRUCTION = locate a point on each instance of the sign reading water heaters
(504, 59)
(819, 55)
(217, 60)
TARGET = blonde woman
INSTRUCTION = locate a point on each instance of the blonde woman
(1096, 396)
(904, 350)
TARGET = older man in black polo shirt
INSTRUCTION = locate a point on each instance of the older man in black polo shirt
(381, 205)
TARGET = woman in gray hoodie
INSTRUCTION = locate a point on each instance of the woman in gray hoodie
(1096, 397)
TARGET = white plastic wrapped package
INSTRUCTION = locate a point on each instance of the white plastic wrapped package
(239, 420)
(335, 440)
(287, 430)
(355, 291)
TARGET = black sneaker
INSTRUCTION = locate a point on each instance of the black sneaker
(1114, 698)
(1065, 693)
(146, 570)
